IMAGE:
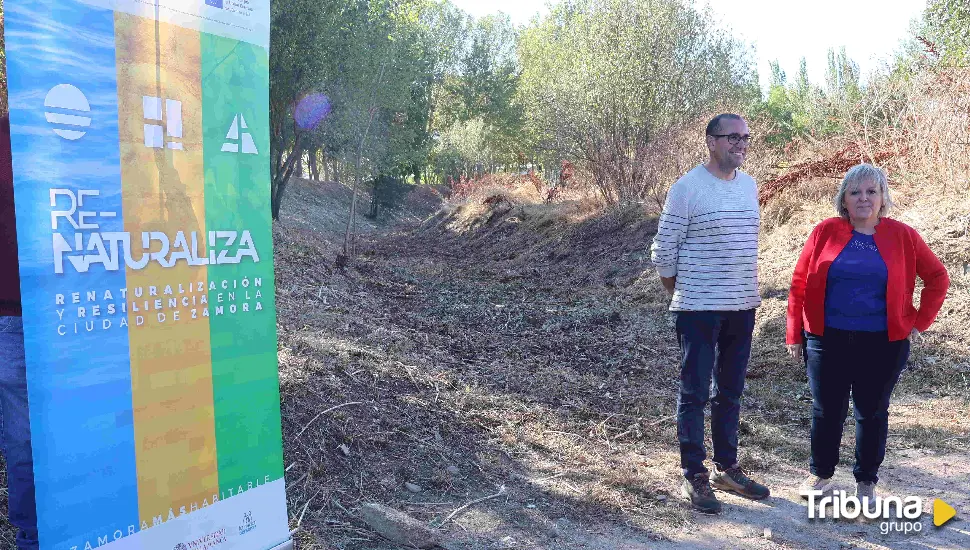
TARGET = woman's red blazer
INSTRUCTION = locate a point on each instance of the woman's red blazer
(906, 256)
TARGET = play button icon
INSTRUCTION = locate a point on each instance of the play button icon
(942, 512)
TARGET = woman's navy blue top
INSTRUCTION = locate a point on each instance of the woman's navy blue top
(855, 291)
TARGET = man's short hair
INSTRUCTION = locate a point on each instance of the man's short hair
(714, 126)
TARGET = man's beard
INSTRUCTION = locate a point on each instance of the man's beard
(729, 162)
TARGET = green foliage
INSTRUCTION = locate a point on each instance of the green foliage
(799, 110)
(480, 122)
(420, 90)
(375, 76)
(843, 90)
(398, 74)
(298, 56)
(378, 62)
(464, 147)
(802, 110)
(602, 78)
(946, 26)
(781, 107)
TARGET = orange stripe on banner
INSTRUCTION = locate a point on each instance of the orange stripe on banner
(160, 123)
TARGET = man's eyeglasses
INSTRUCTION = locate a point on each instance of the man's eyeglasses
(733, 139)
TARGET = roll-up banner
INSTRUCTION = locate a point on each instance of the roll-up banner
(140, 137)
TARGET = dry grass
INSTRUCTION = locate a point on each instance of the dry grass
(511, 342)
(532, 349)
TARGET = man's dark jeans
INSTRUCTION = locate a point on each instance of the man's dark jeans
(868, 365)
(714, 345)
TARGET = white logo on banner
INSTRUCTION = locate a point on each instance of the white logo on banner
(173, 122)
(67, 98)
(235, 133)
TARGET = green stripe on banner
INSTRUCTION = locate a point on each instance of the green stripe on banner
(235, 115)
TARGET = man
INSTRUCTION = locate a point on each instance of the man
(706, 252)
(15, 418)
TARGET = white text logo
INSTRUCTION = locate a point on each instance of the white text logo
(839, 505)
(88, 245)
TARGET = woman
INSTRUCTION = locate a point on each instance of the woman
(850, 311)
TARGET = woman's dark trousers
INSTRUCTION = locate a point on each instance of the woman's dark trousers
(867, 366)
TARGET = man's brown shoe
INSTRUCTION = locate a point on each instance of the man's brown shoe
(734, 480)
(698, 491)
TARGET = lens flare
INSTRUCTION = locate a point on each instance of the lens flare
(311, 110)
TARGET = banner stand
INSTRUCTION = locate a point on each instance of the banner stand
(140, 144)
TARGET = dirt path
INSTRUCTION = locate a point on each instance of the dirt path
(461, 371)
(445, 366)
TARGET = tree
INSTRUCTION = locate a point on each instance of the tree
(478, 98)
(602, 78)
(842, 78)
(375, 63)
(300, 55)
(798, 110)
(946, 26)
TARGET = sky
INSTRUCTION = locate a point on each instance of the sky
(870, 30)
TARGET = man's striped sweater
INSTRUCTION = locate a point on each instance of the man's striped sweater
(708, 239)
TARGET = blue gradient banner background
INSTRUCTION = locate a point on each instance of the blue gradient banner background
(81, 408)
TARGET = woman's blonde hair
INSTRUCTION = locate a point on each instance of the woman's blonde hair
(855, 176)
